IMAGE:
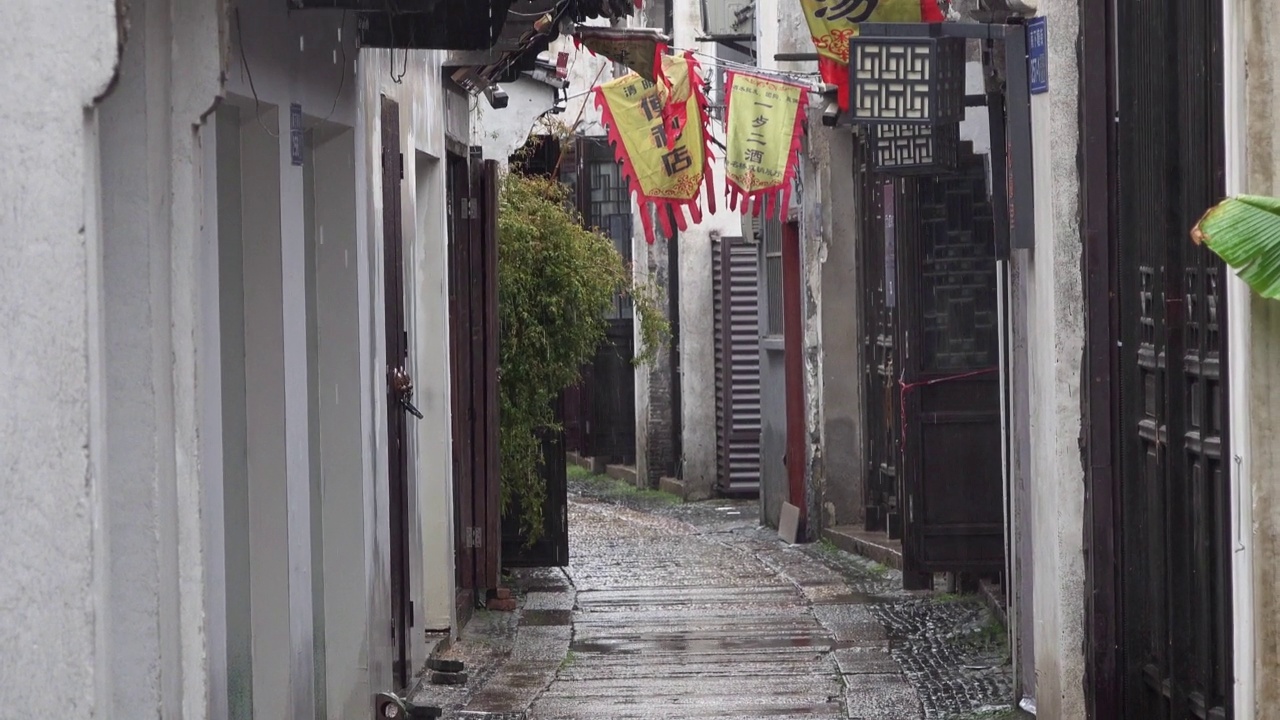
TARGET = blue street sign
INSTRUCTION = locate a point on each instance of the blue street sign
(1038, 55)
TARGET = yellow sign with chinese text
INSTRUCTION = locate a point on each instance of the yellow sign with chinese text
(659, 136)
(763, 124)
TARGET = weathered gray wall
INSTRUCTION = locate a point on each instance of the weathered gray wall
(1254, 167)
(49, 309)
(840, 340)
(1055, 343)
(655, 451)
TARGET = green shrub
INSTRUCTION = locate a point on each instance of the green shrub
(556, 281)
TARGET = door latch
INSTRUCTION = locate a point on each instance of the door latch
(402, 385)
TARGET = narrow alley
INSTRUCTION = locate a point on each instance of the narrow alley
(672, 610)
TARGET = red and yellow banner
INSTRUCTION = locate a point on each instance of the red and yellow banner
(764, 122)
(659, 137)
(833, 22)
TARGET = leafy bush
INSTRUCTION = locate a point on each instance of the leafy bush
(556, 281)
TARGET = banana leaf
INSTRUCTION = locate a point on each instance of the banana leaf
(1245, 232)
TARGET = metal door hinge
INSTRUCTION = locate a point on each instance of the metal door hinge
(473, 537)
(411, 621)
(401, 166)
(470, 209)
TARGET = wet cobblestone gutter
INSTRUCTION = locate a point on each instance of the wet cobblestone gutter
(693, 611)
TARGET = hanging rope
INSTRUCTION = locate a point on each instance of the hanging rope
(907, 387)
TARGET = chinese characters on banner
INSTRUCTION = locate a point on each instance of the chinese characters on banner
(763, 124)
(663, 153)
(833, 22)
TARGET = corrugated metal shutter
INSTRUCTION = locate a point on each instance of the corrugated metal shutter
(737, 351)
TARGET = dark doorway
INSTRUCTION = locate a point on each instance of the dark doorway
(552, 549)
(1174, 598)
(397, 414)
(882, 415)
(948, 352)
(605, 203)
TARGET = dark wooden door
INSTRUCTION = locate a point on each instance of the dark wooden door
(613, 394)
(881, 412)
(1175, 588)
(397, 414)
(473, 324)
(952, 490)
(793, 363)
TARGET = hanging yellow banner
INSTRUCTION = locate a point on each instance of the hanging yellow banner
(763, 124)
(663, 155)
(833, 22)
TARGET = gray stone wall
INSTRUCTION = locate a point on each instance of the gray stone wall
(655, 456)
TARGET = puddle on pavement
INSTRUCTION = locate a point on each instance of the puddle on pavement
(544, 618)
(685, 645)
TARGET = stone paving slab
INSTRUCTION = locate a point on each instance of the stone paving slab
(881, 697)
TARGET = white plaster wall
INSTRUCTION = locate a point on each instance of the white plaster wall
(344, 608)
(49, 421)
(1054, 349)
(278, 58)
(266, 413)
(502, 132)
(117, 614)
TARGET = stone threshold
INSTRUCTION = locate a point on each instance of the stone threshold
(873, 545)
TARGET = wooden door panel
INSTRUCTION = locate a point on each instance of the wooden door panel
(397, 418)
(882, 410)
(952, 489)
(1175, 587)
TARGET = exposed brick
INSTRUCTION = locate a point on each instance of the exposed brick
(500, 605)
(660, 458)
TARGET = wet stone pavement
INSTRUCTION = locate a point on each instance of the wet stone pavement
(672, 610)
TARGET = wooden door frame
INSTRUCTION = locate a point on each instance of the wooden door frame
(1106, 665)
(1102, 522)
(397, 421)
(796, 457)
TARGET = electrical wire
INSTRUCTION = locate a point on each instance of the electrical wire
(244, 62)
(392, 11)
(342, 79)
(799, 77)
